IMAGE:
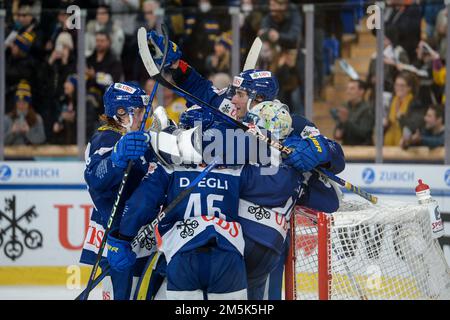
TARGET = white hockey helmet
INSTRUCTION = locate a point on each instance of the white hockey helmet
(273, 116)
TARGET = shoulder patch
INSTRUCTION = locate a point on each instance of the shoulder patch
(310, 131)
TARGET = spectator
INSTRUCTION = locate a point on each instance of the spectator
(220, 80)
(26, 22)
(23, 125)
(431, 9)
(148, 86)
(103, 68)
(59, 27)
(124, 12)
(405, 114)
(282, 26)
(174, 104)
(203, 27)
(94, 109)
(433, 134)
(19, 65)
(149, 19)
(103, 22)
(288, 78)
(64, 129)
(428, 92)
(250, 22)
(220, 60)
(393, 54)
(60, 63)
(405, 17)
(281, 33)
(355, 120)
(150, 9)
(440, 32)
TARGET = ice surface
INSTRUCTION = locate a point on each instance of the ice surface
(45, 293)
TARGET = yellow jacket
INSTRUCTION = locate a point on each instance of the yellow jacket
(394, 132)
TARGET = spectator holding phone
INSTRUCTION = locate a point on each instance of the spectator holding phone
(23, 126)
(354, 120)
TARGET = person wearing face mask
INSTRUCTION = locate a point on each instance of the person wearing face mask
(23, 126)
(204, 25)
(107, 154)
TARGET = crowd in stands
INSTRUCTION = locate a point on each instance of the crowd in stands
(41, 63)
(414, 81)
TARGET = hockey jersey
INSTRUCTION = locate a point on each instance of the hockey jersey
(103, 179)
(209, 211)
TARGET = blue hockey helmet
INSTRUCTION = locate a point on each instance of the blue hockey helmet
(126, 96)
(195, 115)
(260, 85)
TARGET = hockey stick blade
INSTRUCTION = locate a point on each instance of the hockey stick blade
(253, 55)
(97, 280)
(144, 52)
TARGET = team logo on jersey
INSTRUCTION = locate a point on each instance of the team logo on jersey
(32, 239)
(152, 167)
(188, 227)
(259, 212)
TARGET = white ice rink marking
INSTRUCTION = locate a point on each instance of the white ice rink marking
(44, 293)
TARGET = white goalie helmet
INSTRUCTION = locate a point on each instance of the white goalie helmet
(273, 116)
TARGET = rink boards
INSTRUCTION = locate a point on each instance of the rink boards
(45, 209)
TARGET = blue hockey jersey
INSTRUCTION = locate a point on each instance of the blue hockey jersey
(210, 210)
(103, 180)
(191, 81)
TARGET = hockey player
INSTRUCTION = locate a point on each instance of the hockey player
(263, 212)
(107, 154)
(249, 88)
(203, 217)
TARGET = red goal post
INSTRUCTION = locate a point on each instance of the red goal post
(365, 251)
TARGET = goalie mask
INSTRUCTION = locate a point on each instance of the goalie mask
(123, 98)
(273, 116)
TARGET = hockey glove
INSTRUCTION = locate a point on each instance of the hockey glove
(131, 146)
(307, 153)
(156, 43)
(120, 256)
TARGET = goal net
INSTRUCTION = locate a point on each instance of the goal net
(365, 251)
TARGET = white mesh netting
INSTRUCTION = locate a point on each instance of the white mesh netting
(382, 251)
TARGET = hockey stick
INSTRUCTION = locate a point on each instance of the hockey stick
(124, 179)
(155, 74)
(104, 273)
(151, 226)
(253, 55)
